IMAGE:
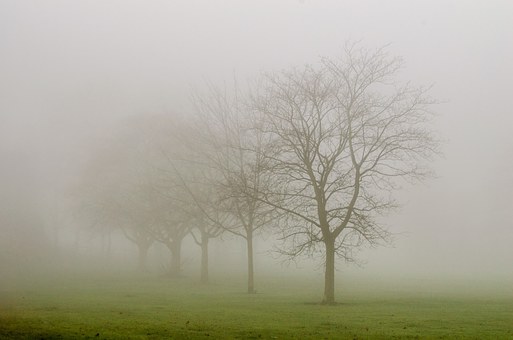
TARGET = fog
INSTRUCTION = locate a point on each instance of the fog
(74, 74)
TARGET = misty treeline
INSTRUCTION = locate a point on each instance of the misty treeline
(310, 155)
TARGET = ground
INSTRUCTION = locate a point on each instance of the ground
(180, 308)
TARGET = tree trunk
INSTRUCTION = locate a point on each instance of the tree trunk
(329, 274)
(251, 282)
(204, 258)
(175, 248)
(143, 255)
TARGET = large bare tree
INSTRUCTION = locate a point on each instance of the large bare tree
(342, 134)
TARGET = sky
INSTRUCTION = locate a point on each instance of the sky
(71, 70)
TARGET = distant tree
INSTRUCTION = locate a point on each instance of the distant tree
(232, 151)
(186, 179)
(117, 188)
(109, 198)
(208, 222)
(172, 218)
(207, 231)
(341, 134)
(172, 211)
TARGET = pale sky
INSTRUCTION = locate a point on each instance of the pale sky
(71, 69)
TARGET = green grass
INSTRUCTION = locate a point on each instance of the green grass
(155, 308)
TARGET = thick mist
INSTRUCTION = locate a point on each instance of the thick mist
(75, 75)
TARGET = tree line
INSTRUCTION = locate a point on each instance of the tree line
(311, 154)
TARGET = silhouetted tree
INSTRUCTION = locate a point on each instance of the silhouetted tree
(341, 134)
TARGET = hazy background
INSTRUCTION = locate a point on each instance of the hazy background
(70, 71)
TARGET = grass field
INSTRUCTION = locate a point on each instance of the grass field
(155, 308)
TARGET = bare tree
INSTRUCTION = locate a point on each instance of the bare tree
(170, 209)
(209, 219)
(171, 224)
(342, 134)
(207, 230)
(233, 152)
(111, 199)
(201, 200)
(117, 189)
(181, 180)
(173, 213)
